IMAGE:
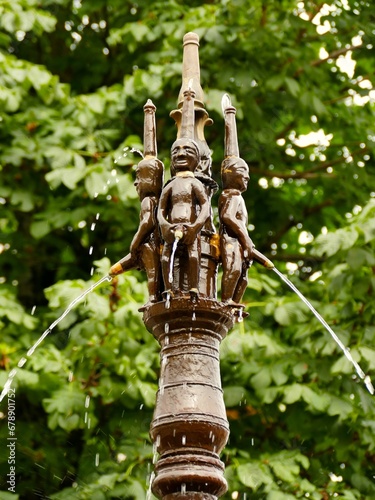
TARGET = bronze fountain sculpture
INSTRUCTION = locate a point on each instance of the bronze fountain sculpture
(180, 250)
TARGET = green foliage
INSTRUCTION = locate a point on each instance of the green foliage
(73, 79)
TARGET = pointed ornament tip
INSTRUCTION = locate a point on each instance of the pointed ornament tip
(225, 102)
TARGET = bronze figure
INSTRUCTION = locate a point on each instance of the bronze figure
(236, 245)
(184, 207)
(183, 210)
(145, 246)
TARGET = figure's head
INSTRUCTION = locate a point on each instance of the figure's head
(235, 173)
(184, 155)
(149, 177)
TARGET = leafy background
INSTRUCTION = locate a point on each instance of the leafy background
(74, 76)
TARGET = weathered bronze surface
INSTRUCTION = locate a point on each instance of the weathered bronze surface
(179, 248)
(189, 427)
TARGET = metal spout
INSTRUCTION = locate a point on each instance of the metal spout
(262, 259)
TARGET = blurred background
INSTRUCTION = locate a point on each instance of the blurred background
(74, 76)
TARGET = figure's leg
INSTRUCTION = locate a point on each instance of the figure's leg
(231, 262)
(194, 261)
(241, 284)
(151, 263)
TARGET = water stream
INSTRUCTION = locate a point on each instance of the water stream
(30, 352)
(345, 350)
(171, 261)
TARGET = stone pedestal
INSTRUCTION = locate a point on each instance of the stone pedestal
(189, 427)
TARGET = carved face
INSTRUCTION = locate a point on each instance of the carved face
(184, 155)
(235, 174)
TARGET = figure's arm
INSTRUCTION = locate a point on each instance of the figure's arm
(228, 208)
(147, 223)
(192, 230)
(166, 227)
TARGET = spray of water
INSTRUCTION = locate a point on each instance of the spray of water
(135, 150)
(345, 350)
(23, 360)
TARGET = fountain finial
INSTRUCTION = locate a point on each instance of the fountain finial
(191, 69)
(231, 139)
(149, 130)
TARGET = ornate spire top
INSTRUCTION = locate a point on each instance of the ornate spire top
(149, 130)
(191, 69)
(231, 139)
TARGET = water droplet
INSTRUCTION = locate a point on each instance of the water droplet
(240, 317)
(183, 440)
(93, 226)
(21, 362)
(152, 477)
(141, 407)
(183, 488)
(168, 301)
(92, 272)
(135, 150)
(166, 328)
(166, 340)
(157, 441)
(91, 250)
(369, 385)
(70, 378)
(97, 216)
(194, 316)
(33, 310)
(87, 401)
(97, 459)
(86, 417)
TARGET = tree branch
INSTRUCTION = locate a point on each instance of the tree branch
(333, 55)
(293, 222)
